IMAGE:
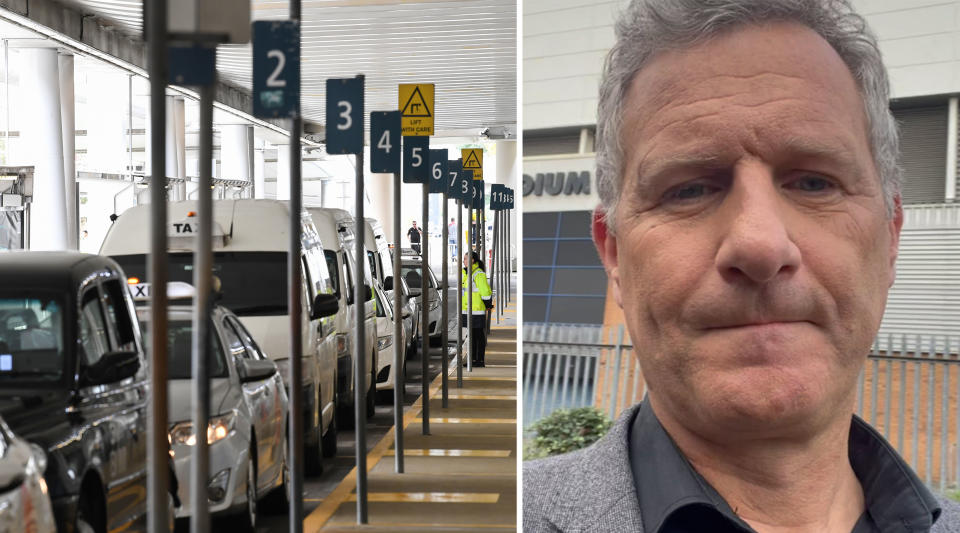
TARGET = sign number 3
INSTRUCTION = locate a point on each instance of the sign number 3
(345, 115)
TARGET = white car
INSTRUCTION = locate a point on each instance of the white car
(386, 375)
(248, 414)
(24, 502)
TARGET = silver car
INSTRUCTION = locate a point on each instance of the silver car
(386, 375)
(248, 413)
(24, 502)
(410, 269)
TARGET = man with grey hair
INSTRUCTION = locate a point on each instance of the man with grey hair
(750, 220)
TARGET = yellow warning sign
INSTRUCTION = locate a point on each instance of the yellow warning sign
(416, 109)
(473, 160)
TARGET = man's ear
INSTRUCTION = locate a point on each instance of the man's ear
(606, 243)
(895, 224)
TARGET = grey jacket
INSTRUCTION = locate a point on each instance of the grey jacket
(592, 490)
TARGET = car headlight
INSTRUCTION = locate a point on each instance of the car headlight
(384, 342)
(218, 428)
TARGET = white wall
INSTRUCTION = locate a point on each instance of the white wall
(565, 42)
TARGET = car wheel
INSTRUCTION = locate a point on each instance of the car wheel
(281, 496)
(314, 455)
(328, 440)
(247, 520)
(85, 519)
(371, 392)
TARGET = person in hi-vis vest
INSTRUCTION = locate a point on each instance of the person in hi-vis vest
(482, 300)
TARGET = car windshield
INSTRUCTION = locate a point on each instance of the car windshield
(252, 283)
(180, 350)
(411, 274)
(31, 337)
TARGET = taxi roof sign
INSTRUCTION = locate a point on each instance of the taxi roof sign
(473, 160)
(416, 109)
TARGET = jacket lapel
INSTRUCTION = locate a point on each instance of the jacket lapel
(601, 495)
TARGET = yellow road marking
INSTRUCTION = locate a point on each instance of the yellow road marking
(430, 497)
(472, 420)
(438, 525)
(435, 452)
(488, 378)
(465, 396)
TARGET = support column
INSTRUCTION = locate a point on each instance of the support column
(951, 185)
(68, 133)
(283, 172)
(236, 152)
(259, 169)
(177, 145)
(42, 147)
(508, 173)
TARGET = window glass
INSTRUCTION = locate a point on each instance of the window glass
(180, 351)
(236, 270)
(118, 316)
(234, 344)
(31, 337)
(334, 269)
(251, 345)
(93, 328)
(371, 257)
(348, 277)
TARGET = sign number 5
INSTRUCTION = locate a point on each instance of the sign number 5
(415, 155)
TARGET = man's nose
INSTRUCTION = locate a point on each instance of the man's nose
(757, 244)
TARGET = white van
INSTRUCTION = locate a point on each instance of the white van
(250, 241)
(336, 230)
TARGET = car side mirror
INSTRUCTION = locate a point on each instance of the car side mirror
(405, 313)
(253, 370)
(111, 368)
(388, 283)
(324, 305)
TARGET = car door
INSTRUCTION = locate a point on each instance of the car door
(258, 397)
(113, 414)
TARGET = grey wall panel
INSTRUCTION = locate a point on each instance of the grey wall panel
(923, 153)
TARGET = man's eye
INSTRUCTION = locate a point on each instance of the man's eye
(811, 184)
(690, 191)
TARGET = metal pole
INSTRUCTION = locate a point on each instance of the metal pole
(399, 377)
(425, 312)
(294, 295)
(509, 262)
(469, 272)
(202, 280)
(460, 294)
(444, 310)
(157, 443)
(360, 348)
(495, 267)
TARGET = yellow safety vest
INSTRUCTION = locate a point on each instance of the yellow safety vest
(481, 291)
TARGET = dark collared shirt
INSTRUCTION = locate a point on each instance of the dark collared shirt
(674, 498)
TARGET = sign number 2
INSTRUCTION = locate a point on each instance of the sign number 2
(272, 80)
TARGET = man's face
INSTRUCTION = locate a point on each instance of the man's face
(752, 253)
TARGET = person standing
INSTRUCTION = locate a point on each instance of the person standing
(413, 234)
(452, 237)
(482, 300)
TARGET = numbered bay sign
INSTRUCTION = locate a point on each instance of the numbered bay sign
(276, 69)
(473, 160)
(497, 196)
(416, 159)
(509, 198)
(438, 171)
(453, 179)
(477, 193)
(345, 115)
(385, 143)
(465, 189)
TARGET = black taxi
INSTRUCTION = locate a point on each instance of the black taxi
(74, 380)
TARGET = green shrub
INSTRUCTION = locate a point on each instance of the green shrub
(566, 430)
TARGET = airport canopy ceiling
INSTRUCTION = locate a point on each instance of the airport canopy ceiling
(466, 47)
